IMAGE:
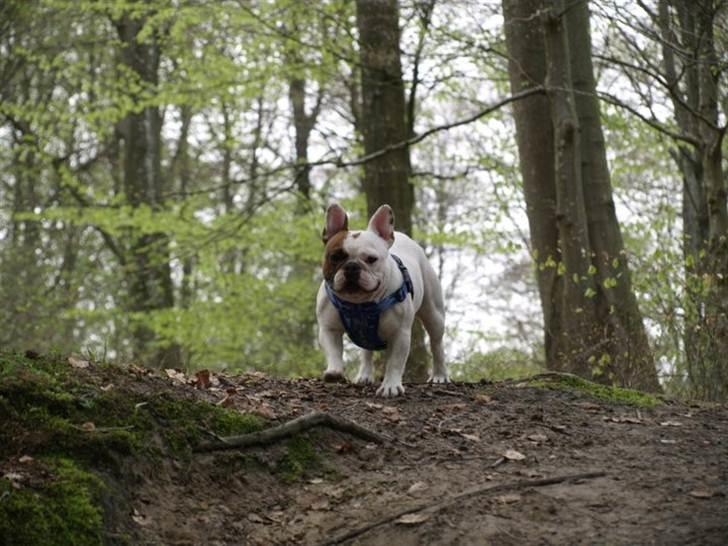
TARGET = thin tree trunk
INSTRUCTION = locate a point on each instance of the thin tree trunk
(383, 120)
(149, 275)
(630, 354)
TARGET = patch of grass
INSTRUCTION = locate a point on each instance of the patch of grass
(300, 459)
(64, 510)
(617, 395)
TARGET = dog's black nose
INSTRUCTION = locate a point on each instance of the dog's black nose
(352, 270)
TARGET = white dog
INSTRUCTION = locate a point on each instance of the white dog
(375, 283)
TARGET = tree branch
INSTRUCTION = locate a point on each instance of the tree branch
(291, 428)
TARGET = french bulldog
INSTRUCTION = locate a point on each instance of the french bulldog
(375, 283)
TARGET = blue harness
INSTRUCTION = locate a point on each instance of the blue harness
(361, 320)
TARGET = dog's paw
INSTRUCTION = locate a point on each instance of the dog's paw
(387, 390)
(333, 376)
(438, 379)
(364, 380)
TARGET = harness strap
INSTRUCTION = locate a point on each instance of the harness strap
(361, 320)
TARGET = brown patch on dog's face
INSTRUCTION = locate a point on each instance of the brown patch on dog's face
(334, 255)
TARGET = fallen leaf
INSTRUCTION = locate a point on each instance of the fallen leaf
(88, 426)
(702, 493)
(323, 504)
(513, 455)
(624, 419)
(538, 437)
(265, 411)
(508, 499)
(316, 481)
(412, 519)
(107, 388)
(346, 447)
(671, 424)
(202, 379)
(13, 476)
(416, 488)
(391, 413)
(483, 399)
(25, 459)
(255, 518)
(78, 362)
(471, 437)
(175, 375)
(666, 441)
(373, 405)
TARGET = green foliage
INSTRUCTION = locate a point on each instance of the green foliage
(64, 510)
(503, 363)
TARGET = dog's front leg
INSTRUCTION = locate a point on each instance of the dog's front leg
(332, 345)
(396, 357)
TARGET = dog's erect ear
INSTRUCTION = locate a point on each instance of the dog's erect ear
(382, 223)
(336, 221)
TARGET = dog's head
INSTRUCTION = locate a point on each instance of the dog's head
(355, 262)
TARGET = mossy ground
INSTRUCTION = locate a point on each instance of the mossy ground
(607, 393)
(76, 426)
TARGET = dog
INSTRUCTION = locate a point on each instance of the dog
(375, 283)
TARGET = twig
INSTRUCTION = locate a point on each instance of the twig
(432, 507)
(291, 428)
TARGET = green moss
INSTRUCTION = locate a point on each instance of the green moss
(607, 393)
(230, 423)
(300, 459)
(62, 511)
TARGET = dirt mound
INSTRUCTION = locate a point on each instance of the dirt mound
(95, 454)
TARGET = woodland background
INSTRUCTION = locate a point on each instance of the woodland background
(164, 167)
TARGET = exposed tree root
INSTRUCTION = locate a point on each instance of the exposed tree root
(291, 428)
(434, 507)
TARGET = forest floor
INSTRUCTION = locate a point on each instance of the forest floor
(548, 460)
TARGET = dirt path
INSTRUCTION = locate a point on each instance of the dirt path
(106, 455)
(665, 471)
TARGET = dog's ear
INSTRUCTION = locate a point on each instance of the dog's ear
(382, 223)
(336, 221)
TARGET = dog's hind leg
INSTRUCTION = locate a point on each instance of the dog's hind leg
(432, 315)
(366, 369)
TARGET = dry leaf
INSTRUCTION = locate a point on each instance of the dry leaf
(412, 519)
(702, 493)
(471, 437)
(538, 437)
(416, 487)
(483, 399)
(202, 379)
(666, 441)
(671, 424)
(513, 455)
(78, 362)
(323, 504)
(316, 481)
(508, 499)
(25, 459)
(107, 388)
(255, 518)
(175, 375)
(373, 405)
(88, 426)
(625, 419)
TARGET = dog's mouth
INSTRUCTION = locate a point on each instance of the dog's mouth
(353, 287)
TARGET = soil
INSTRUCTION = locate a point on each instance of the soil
(461, 464)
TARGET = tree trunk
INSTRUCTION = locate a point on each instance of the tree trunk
(534, 137)
(383, 121)
(688, 61)
(630, 354)
(574, 230)
(149, 274)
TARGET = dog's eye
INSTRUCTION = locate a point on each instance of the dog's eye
(371, 259)
(338, 256)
